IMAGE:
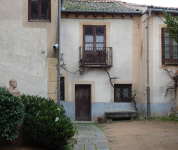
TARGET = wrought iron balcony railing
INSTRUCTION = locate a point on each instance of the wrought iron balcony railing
(99, 57)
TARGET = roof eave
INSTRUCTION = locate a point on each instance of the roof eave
(161, 10)
(101, 11)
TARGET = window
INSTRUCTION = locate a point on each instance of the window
(62, 88)
(94, 44)
(94, 37)
(125, 89)
(39, 10)
(169, 49)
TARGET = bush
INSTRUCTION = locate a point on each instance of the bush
(46, 122)
(11, 113)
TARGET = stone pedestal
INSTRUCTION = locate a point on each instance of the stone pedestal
(16, 93)
(22, 138)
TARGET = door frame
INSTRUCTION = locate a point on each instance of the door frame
(92, 83)
(90, 117)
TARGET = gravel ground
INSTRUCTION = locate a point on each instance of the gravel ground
(141, 135)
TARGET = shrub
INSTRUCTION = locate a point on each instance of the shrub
(46, 122)
(11, 113)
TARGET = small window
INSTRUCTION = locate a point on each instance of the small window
(39, 10)
(169, 49)
(125, 89)
(62, 88)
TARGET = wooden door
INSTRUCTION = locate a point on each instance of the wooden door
(82, 102)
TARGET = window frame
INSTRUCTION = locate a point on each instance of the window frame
(168, 61)
(39, 12)
(62, 90)
(122, 86)
(94, 34)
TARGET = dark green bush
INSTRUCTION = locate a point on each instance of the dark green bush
(11, 113)
(46, 122)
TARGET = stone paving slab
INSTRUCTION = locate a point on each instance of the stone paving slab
(84, 143)
(92, 132)
(86, 136)
(99, 138)
(78, 147)
(83, 132)
(102, 146)
(89, 147)
(90, 137)
(99, 142)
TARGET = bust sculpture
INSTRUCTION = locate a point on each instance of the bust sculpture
(13, 85)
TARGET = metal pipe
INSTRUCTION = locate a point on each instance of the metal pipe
(59, 42)
(102, 11)
(160, 10)
(148, 82)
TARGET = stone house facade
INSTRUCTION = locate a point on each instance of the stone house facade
(94, 35)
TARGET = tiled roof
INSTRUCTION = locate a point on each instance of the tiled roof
(109, 5)
(97, 5)
(140, 6)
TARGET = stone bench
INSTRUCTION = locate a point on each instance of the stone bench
(120, 114)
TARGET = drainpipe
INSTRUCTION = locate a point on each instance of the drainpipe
(59, 42)
(148, 82)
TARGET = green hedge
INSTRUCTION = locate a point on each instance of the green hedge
(11, 113)
(46, 122)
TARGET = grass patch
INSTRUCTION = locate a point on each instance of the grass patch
(171, 118)
(98, 126)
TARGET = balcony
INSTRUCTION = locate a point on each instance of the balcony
(97, 57)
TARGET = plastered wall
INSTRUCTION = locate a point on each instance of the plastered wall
(122, 35)
(23, 50)
(161, 79)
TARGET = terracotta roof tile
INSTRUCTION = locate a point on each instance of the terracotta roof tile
(96, 5)
(108, 5)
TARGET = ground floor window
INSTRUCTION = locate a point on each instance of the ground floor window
(125, 89)
(62, 88)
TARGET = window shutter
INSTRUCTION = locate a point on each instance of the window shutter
(163, 45)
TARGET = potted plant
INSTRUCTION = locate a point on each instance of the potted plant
(100, 119)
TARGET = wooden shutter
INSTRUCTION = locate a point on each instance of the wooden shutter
(163, 45)
(29, 10)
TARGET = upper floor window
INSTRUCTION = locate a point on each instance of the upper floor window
(39, 10)
(169, 49)
(125, 90)
(94, 37)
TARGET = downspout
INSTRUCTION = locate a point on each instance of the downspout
(59, 43)
(148, 82)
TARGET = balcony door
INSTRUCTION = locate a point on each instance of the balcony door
(94, 43)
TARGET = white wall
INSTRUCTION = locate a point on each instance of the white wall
(161, 78)
(120, 40)
(20, 51)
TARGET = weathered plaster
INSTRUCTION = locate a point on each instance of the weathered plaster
(21, 51)
(119, 36)
(51, 27)
(161, 78)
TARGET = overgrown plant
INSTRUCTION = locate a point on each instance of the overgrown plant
(172, 25)
(11, 113)
(45, 122)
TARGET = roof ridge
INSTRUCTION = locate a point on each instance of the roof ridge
(145, 5)
(121, 2)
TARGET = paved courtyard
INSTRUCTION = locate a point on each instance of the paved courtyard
(90, 137)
